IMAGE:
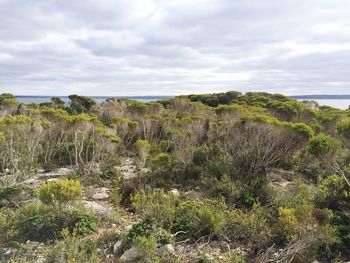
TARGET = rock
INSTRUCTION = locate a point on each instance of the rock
(129, 255)
(50, 180)
(8, 254)
(97, 208)
(117, 248)
(167, 248)
(101, 194)
(127, 229)
(33, 182)
(209, 257)
(174, 192)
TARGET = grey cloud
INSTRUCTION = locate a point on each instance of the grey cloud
(123, 47)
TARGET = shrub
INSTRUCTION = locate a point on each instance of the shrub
(288, 222)
(248, 227)
(224, 187)
(41, 223)
(334, 193)
(147, 229)
(143, 147)
(324, 146)
(155, 205)
(72, 249)
(60, 192)
(11, 195)
(197, 219)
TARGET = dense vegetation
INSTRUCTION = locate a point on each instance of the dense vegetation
(226, 177)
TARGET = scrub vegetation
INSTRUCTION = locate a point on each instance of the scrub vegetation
(226, 177)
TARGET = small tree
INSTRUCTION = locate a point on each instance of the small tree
(60, 192)
(143, 147)
(328, 150)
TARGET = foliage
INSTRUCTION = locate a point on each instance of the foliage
(324, 146)
(72, 249)
(334, 193)
(40, 223)
(155, 205)
(251, 226)
(197, 219)
(60, 192)
(143, 147)
(147, 228)
(11, 195)
(259, 171)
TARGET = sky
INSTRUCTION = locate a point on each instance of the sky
(171, 47)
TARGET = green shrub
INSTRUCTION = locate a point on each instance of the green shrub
(248, 227)
(197, 219)
(10, 196)
(224, 187)
(155, 205)
(60, 192)
(147, 228)
(41, 223)
(324, 146)
(72, 249)
(234, 257)
(334, 193)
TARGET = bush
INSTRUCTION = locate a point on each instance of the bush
(197, 219)
(334, 193)
(60, 192)
(41, 223)
(248, 227)
(147, 229)
(155, 205)
(288, 222)
(72, 249)
(324, 146)
(11, 195)
(224, 187)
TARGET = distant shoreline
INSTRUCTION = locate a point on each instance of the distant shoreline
(320, 97)
(98, 97)
(298, 97)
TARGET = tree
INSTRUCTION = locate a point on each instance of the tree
(257, 142)
(143, 147)
(328, 150)
(80, 104)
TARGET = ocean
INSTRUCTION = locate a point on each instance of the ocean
(336, 103)
(98, 99)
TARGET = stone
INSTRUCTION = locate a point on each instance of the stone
(167, 248)
(130, 255)
(97, 208)
(209, 257)
(128, 228)
(50, 180)
(101, 194)
(117, 248)
(174, 192)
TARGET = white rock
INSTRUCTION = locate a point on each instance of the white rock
(129, 255)
(174, 192)
(97, 208)
(128, 228)
(167, 248)
(117, 248)
(101, 194)
(50, 180)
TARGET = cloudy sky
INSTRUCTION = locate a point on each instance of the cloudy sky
(167, 47)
